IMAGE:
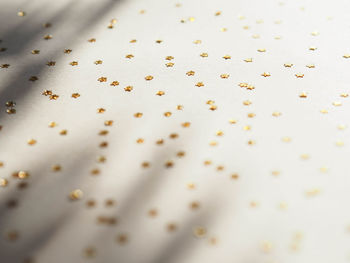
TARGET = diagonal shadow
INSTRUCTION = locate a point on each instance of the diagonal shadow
(19, 87)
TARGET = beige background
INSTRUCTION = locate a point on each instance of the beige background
(54, 229)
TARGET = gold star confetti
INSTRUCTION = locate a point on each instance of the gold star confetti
(108, 123)
(266, 246)
(312, 192)
(48, 37)
(3, 182)
(234, 176)
(247, 102)
(160, 93)
(51, 63)
(56, 168)
(341, 127)
(114, 83)
(12, 235)
(266, 74)
(303, 95)
(76, 194)
(179, 107)
(224, 76)
(199, 232)
(153, 212)
(53, 97)
(33, 78)
(251, 142)
(22, 175)
(52, 124)
(90, 252)
(63, 132)
(171, 227)
(336, 103)
(31, 141)
(128, 88)
(102, 79)
(46, 92)
(21, 13)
